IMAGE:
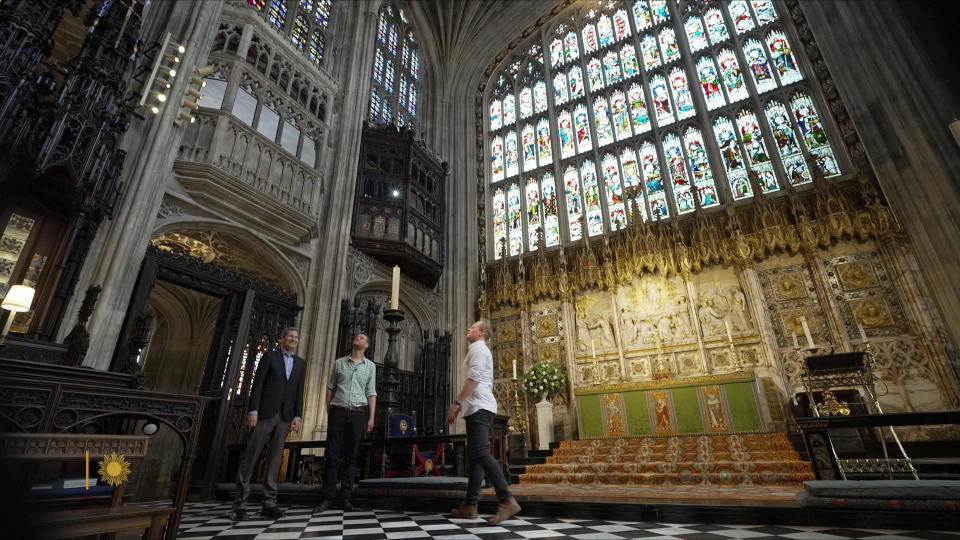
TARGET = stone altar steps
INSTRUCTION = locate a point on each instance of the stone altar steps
(749, 459)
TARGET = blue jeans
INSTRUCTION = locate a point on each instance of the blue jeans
(479, 460)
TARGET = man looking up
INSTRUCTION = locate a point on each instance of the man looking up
(276, 402)
(479, 407)
(352, 404)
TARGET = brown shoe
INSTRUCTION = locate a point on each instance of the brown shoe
(506, 510)
(466, 511)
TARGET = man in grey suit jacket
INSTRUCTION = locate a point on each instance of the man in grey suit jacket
(276, 402)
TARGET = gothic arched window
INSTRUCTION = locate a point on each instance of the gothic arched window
(395, 92)
(305, 22)
(685, 105)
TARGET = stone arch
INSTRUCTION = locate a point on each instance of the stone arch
(264, 250)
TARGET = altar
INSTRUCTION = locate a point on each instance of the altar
(714, 404)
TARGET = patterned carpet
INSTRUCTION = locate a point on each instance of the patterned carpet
(204, 521)
(761, 459)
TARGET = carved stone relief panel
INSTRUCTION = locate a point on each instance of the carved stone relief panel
(790, 296)
(654, 310)
(595, 324)
(721, 303)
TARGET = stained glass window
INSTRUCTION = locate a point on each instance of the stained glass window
(499, 222)
(278, 13)
(601, 120)
(544, 150)
(551, 219)
(611, 180)
(533, 212)
(695, 35)
(396, 58)
(757, 155)
(514, 211)
(620, 102)
(786, 143)
(298, 36)
(814, 136)
(566, 135)
(582, 127)
(510, 153)
(591, 197)
(571, 188)
(529, 141)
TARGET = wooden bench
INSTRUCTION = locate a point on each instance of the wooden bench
(46, 447)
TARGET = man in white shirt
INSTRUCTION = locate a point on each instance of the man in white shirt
(479, 408)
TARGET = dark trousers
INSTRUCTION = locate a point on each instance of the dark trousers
(480, 462)
(271, 431)
(344, 429)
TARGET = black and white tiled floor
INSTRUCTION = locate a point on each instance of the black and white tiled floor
(209, 520)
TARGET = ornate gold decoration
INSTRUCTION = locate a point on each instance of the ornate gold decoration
(790, 287)
(670, 383)
(855, 276)
(831, 406)
(871, 313)
(549, 352)
(114, 469)
(547, 325)
(218, 248)
(800, 221)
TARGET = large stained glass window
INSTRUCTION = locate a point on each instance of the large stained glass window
(396, 72)
(305, 22)
(679, 106)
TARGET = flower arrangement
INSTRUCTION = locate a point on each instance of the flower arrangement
(543, 378)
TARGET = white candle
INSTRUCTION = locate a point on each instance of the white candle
(726, 325)
(863, 335)
(395, 289)
(593, 350)
(806, 331)
(514, 368)
(795, 344)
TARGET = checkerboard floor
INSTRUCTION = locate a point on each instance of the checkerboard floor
(209, 520)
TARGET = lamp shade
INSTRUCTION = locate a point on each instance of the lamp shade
(18, 298)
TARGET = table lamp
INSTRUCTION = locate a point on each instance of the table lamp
(18, 299)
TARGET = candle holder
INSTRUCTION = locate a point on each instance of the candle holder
(518, 426)
(735, 358)
(391, 366)
(596, 370)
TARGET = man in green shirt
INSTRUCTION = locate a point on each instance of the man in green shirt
(352, 404)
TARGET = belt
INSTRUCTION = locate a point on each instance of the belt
(343, 408)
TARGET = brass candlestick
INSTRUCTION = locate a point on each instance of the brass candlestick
(518, 425)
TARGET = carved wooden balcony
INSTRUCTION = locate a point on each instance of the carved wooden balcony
(399, 210)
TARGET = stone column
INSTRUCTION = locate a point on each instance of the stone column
(151, 144)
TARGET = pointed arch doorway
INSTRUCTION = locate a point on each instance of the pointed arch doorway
(205, 308)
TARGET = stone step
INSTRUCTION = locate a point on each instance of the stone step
(629, 457)
(798, 467)
(719, 478)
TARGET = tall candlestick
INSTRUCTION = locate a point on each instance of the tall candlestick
(795, 344)
(514, 368)
(726, 325)
(593, 350)
(863, 335)
(806, 332)
(395, 289)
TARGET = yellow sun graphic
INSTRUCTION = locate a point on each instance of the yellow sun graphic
(114, 469)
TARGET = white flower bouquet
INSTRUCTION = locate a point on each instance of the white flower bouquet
(543, 378)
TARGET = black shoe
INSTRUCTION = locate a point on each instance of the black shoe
(347, 507)
(324, 506)
(237, 515)
(271, 512)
